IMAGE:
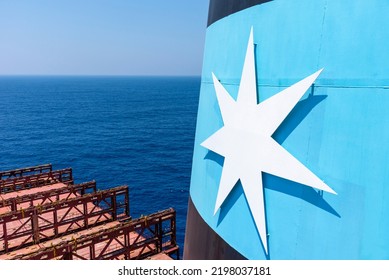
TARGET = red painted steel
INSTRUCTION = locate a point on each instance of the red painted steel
(20, 172)
(48, 196)
(58, 220)
(136, 239)
(42, 222)
(36, 180)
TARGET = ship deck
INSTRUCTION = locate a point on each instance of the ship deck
(44, 215)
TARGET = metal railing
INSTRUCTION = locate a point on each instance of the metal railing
(136, 239)
(20, 172)
(48, 196)
(43, 222)
(36, 180)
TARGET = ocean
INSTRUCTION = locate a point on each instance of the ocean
(135, 131)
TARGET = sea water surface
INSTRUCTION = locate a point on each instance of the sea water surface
(135, 131)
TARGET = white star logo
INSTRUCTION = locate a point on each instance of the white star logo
(246, 144)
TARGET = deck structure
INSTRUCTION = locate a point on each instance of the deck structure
(43, 215)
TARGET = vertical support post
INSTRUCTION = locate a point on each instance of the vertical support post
(92, 252)
(32, 201)
(86, 215)
(13, 204)
(71, 174)
(114, 206)
(68, 255)
(175, 235)
(160, 233)
(5, 235)
(173, 229)
(127, 203)
(35, 227)
(55, 218)
(127, 245)
(13, 186)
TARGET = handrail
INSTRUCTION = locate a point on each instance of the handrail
(48, 196)
(20, 172)
(43, 222)
(139, 239)
(36, 180)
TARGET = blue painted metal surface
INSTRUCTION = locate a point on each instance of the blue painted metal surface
(339, 130)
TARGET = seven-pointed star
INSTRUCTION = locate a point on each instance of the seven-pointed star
(246, 144)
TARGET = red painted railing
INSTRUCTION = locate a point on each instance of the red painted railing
(20, 172)
(42, 222)
(36, 180)
(136, 239)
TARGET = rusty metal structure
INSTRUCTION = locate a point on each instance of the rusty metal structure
(48, 196)
(44, 168)
(13, 184)
(136, 239)
(46, 221)
(43, 215)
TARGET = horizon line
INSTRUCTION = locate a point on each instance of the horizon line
(94, 75)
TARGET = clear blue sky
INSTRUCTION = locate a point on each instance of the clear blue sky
(102, 37)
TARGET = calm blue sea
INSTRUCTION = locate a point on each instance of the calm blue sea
(137, 131)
